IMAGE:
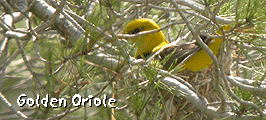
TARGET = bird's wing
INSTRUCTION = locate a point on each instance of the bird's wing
(181, 53)
(177, 54)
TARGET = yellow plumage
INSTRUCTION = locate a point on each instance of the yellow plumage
(146, 43)
(153, 42)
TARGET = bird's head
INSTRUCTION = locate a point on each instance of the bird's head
(139, 25)
(147, 43)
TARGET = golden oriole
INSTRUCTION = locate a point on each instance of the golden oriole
(195, 58)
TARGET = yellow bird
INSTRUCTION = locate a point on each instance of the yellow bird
(147, 44)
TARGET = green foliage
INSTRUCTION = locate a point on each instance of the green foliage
(87, 68)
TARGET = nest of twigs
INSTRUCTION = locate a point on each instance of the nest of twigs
(173, 106)
(201, 82)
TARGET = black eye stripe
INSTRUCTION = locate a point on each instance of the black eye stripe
(135, 31)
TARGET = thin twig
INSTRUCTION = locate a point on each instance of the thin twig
(208, 51)
(7, 103)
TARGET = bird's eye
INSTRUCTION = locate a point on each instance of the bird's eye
(135, 31)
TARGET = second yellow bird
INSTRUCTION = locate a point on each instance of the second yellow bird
(150, 43)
